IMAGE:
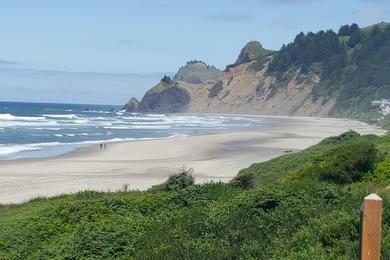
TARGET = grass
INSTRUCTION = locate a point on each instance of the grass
(287, 212)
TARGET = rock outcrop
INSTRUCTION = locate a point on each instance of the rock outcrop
(133, 105)
(252, 50)
(166, 97)
(197, 72)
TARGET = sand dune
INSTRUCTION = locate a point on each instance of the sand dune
(142, 164)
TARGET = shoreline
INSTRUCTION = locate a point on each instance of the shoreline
(70, 147)
(140, 164)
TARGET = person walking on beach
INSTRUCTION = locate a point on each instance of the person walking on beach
(101, 146)
(105, 146)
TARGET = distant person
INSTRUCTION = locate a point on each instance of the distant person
(105, 146)
(101, 146)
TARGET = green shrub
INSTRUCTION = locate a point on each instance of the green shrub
(381, 173)
(348, 163)
(245, 180)
(180, 181)
(345, 137)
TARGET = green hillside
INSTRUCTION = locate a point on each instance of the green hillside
(253, 50)
(353, 65)
(197, 72)
(297, 206)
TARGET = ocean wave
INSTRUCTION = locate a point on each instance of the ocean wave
(58, 109)
(155, 115)
(145, 118)
(138, 127)
(80, 121)
(175, 135)
(10, 117)
(68, 116)
(99, 118)
(26, 124)
(154, 123)
(17, 148)
(97, 111)
(6, 150)
(48, 128)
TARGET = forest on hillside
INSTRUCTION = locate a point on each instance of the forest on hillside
(353, 65)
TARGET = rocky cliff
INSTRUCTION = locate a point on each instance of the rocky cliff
(246, 88)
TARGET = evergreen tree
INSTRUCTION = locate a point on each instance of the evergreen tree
(355, 35)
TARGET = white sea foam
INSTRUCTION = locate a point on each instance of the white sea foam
(17, 148)
(144, 118)
(5, 150)
(99, 118)
(9, 117)
(26, 124)
(138, 127)
(97, 111)
(177, 135)
(68, 116)
(80, 121)
(48, 128)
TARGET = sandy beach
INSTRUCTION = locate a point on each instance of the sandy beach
(142, 164)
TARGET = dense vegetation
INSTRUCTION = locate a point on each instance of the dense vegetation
(298, 206)
(353, 65)
(253, 50)
(306, 50)
(197, 72)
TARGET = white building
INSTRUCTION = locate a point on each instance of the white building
(385, 107)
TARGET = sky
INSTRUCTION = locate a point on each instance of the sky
(104, 52)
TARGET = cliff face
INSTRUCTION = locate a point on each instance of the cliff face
(318, 74)
(167, 96)
(133, 105)
(243, 89)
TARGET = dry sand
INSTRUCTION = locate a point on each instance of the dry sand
(142, 164)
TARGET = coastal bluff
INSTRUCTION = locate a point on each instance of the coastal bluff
(311, 76)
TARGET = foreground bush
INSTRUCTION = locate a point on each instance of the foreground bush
(245, 180)
(348, 163)
(180, 181)
(381, 173)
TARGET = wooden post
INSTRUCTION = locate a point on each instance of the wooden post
(370, 233)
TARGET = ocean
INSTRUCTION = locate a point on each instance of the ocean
(36, 130)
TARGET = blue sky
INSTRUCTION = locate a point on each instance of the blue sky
(131, 44)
